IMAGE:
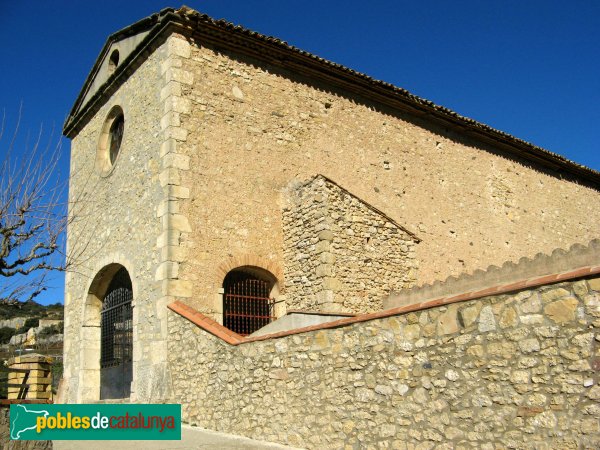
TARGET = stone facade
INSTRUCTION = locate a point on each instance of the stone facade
(507, 371)
(340, 253)
(215, 133)
(115, 222)
(254, 128)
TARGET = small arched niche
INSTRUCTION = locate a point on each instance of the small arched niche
(249, 297)
(113, 61)
(107, 336)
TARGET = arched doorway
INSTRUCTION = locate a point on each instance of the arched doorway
(116, 338)
(248, 299)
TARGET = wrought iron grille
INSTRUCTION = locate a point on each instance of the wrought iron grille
(246, 304)
(116, 323)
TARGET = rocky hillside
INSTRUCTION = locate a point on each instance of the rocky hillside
(9, 309)
(20, 322)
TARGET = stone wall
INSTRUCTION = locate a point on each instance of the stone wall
(506, 371)
(341, 254)
(253, 128)
(115, 221)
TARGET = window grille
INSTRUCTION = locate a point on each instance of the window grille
(247, 305)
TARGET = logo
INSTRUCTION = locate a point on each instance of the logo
(95, 422)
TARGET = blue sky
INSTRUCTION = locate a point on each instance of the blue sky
(530, 67)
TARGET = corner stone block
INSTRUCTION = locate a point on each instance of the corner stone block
(325, 297)
(177, 288)
(325, 235)
(179, 47)
(172, 88)
(167, 270)
(168, 146)
(168, 238)
(170, 119)
(173, 253)
(177, 133)
(177, 192)
(179, 75)
(323, 246)
(169, 176)
(167, 207)
(169, 63)
(324, 270)
(178, 104)
(327, 258)
(176, 222)
(332, 284)
(176, 161)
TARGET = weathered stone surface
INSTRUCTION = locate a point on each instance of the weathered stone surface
(531, 304)
(562, 311)
(469, 314)
(487, 322)
(447, 322)
(338, 244)
(553, 294)
(594, 284)
(509, 318)
(529, 345)
(386, 380)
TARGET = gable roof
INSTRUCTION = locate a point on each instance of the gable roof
(157, 27)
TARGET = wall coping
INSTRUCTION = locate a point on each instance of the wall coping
(558, 261)
(232, 338)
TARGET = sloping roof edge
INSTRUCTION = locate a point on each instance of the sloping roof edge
(278, 52)
(377, 211)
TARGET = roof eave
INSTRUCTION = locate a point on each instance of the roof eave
(280, 53)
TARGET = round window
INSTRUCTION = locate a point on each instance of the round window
(110, 141)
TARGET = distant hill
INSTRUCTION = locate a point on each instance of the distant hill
(11, 308)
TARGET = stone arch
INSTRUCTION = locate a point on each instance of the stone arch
(250, 295)
(249, 260)
(90, 343)
(257, 265)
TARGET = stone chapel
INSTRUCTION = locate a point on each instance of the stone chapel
(258, 184)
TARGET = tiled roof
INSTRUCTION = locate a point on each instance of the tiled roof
(295, 59)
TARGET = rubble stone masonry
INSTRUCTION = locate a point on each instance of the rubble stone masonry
(506, 371)
(212, 142)
(341, 254)
(253, 128)
(115, 221)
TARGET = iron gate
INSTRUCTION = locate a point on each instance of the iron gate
(246, 305)
(116, 339)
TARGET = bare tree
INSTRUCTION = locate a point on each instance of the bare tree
(32, 215)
